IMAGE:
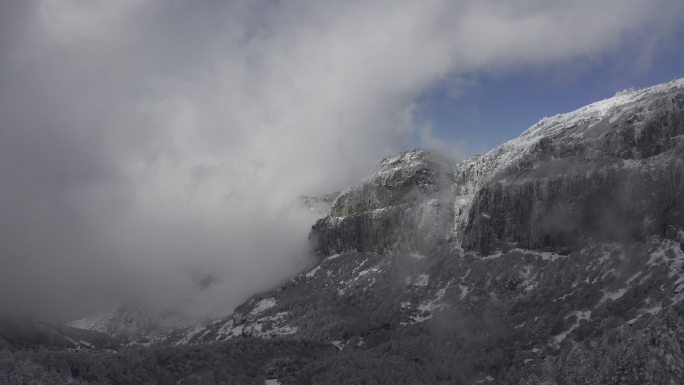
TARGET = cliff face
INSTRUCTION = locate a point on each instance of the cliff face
(611, 171)
(404, 206)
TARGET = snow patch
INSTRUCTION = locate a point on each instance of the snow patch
(464, 290)
(264, 327)
(580, 315)
(642, 312)
(263, 305)
(493, 256)
(190, 334)
(416, 256)
(422, 280)
(612, 295)
(427, 308)
(344, 286)
(544, 255)
(313, 272)
(633, 277)
(528, 282)
(671, 253)
(98, 322)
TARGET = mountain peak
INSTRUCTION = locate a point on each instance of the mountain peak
(401, 178)
(628, 101)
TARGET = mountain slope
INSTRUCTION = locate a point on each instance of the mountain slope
(555, 258)
(552, 242)
(132, 325)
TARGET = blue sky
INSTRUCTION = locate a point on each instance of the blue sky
(492, 108)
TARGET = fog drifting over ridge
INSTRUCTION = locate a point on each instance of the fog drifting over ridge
(146, 144)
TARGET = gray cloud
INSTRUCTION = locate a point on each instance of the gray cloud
(144, 144)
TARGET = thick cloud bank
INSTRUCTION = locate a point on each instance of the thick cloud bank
(147, 145)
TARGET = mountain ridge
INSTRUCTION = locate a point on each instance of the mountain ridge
(554, 257)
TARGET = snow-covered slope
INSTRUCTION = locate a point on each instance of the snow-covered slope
(99, 322)
(587, 124)
(557, 255)
(133, 325)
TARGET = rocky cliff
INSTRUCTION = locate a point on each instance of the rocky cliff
(555, 258)
(611, 171)
(404, 206)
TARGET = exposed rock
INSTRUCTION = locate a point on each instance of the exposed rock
(403, 206)
(406, 178)
(611, 171)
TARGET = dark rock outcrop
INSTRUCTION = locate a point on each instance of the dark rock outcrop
(404, 206)
(617, 174)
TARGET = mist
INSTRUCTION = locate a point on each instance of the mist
(149, 146)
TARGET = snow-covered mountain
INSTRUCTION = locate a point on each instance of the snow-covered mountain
(133, 325)
(553, 258)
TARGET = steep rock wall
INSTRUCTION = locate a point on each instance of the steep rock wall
(618, 175)
(404, 206)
